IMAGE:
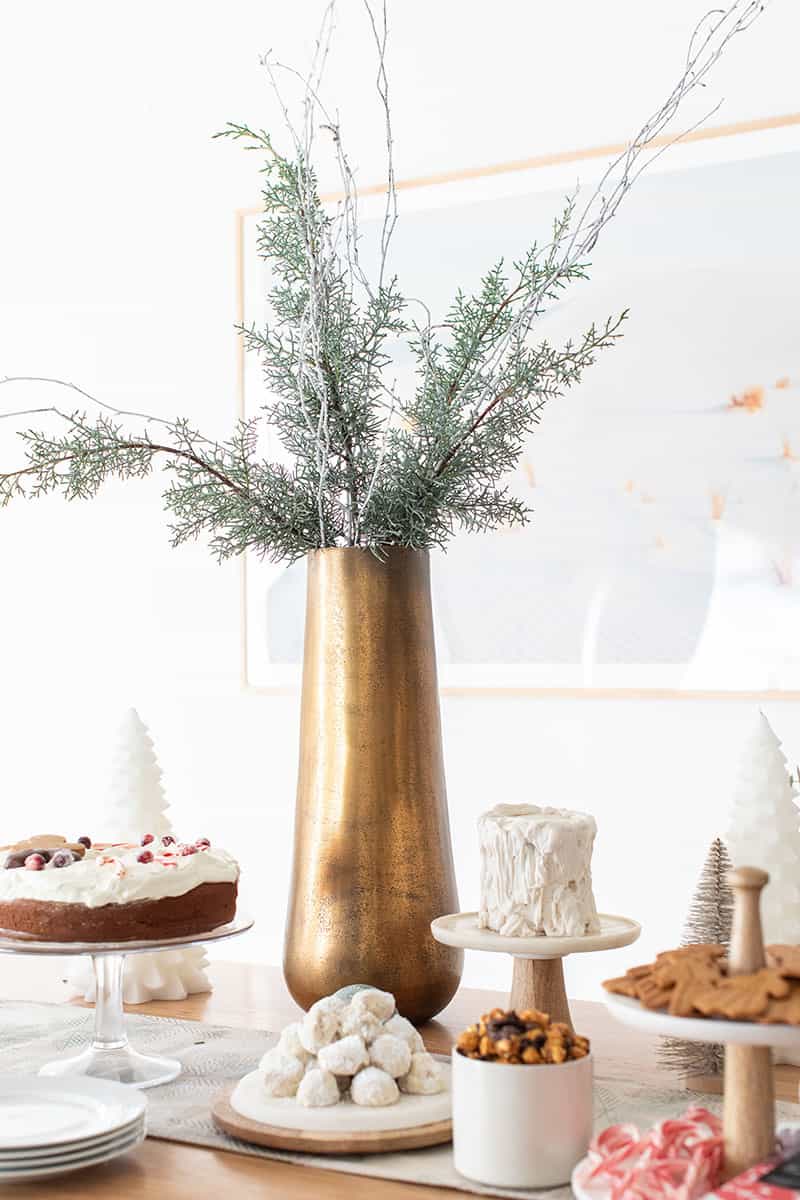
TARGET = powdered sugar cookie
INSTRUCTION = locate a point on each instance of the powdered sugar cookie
(289, 1043)
(361, 1023)
(318, 1089)
(401, 1027)
(373, 1088)
(321, 1024)
(372, 1000)
(391, 1054)
(344, 1057)
(423, 1077)
(282, 1073)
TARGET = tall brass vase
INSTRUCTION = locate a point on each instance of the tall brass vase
(373, 862)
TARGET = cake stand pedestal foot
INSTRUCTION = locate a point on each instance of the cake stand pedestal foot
(110, 1056)
(539, 983)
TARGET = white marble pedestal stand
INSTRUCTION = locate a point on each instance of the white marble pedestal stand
(538, 976)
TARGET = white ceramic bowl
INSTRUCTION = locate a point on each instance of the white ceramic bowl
(517, 1125)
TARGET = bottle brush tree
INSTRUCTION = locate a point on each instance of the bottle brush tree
(709, 920)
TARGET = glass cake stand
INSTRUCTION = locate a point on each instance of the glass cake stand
(110, 1055)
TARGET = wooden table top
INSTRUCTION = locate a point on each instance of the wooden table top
(250, 996)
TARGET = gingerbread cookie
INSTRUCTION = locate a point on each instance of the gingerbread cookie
(41, 850)
(743, 997)
(785, 959)
(42, 841)
(708, 950)
(651, 993)
(677, 980)
(783, 1012)
(625, 985)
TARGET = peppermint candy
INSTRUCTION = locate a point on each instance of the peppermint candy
(680, 1159)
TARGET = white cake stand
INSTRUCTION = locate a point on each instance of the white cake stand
(538, 977)
(110, 1055)
(749, 1092)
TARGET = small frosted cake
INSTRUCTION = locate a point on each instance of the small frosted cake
(72, 892)
(536, 871)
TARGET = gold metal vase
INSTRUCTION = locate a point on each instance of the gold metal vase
(373, 864)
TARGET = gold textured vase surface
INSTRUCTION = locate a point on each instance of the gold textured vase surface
(373, 863)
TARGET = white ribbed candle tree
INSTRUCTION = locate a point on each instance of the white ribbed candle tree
(137, 805)
(136, 802)
(764, 830)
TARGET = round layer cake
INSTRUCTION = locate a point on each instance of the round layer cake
(74, 892)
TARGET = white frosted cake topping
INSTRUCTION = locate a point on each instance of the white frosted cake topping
(536, 873)
(114, 876)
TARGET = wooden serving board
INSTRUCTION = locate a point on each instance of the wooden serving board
(306, 1141)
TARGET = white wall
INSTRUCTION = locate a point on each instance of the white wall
(117, 272)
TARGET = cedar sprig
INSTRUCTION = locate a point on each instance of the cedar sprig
(360, 464)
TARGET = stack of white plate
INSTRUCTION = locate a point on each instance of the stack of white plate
(49, 1126)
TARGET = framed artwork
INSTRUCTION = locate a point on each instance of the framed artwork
(663, 556)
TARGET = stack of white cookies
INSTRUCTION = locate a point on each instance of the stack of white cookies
(362, 1048)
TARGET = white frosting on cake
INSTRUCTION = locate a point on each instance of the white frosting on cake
(536, 873)
(122, 880)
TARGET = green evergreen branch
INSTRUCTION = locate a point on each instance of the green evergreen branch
(367, 467)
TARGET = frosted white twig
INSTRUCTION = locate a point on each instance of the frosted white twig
(390, 214)
(576, 240)
(382, 84)
(322, 245)
(119, 412)
(320, 256)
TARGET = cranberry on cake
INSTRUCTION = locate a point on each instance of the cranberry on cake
(74, 892)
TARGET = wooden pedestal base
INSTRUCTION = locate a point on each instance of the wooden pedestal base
(785, 1078)
(539, 983)
(749, 1109)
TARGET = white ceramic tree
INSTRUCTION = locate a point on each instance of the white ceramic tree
(136, 802)
(764, 830)
(137, 805)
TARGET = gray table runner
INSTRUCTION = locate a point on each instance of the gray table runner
(214, 1056)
